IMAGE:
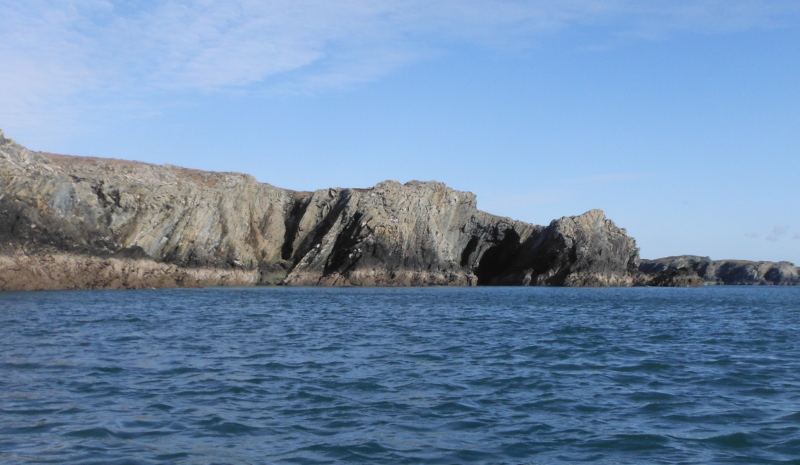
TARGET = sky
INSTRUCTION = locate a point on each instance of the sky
(680, 119)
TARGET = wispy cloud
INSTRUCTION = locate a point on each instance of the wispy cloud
(796, 235)
(63, 53)
(777, 232)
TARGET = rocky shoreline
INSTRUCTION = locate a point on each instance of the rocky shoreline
(691, 270)
(89, 223)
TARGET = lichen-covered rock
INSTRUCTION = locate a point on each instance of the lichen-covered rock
(105, 206)
(418, 233)
(691, 270)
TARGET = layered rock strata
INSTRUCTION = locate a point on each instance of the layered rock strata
(121, 221)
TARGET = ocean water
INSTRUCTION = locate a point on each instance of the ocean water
(385, 376)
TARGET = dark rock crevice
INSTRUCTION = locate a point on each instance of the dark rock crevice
(292, 223)
(469, 251)
(329, 216)
(346, 252)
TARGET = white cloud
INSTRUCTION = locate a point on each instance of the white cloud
(60, 54)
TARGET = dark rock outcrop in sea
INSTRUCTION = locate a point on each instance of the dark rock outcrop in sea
(79, 222)
(691, 270)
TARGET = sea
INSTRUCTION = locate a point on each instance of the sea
(401, 376)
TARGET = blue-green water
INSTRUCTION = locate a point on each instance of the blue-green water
(486, 375)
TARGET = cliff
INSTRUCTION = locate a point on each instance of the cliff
(78, 222)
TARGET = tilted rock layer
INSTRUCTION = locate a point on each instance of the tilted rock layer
(78, 222)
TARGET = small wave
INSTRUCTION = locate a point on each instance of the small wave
(386, 405)
(342, 424)
(453, 407)
(761, 392)
(39, 428)
(109, 369)
(527, 430)
(650, 396)
(572, 367)
(328, 348)
(178, 371)
(575, 330)
(363, 386)
(97, 432)
(734, 440)
(311, 397)
(532, 349)
(426, 357)
(630, 442)
(791, 417)
(171, 457)
(520, 450)
(363, 452)
(274, 366)
(127, 339)
(315, 431)
(231, 427)
(128, 435)
(70, 411)
(32, 411)
(644, 366)
(163, 407)
(654, 407)
(101, 388)
(20, 366)
(583, 408)
(464, 425)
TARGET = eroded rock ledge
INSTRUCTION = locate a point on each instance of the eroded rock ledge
(77, 222)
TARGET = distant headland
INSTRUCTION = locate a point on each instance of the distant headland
(91, 223)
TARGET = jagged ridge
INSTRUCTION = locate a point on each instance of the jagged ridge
(418, 233)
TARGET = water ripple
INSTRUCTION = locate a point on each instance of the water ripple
(325, 376)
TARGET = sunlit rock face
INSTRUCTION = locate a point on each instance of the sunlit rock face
(393, 234)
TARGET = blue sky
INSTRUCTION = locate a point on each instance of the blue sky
(680, 119)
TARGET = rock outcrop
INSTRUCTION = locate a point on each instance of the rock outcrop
(105, 212)
(691, 270)
(585, 250)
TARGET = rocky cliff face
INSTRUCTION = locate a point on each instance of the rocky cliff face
(691, 270)
(418, 233)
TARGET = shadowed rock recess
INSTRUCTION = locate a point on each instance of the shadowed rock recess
(77, 222)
